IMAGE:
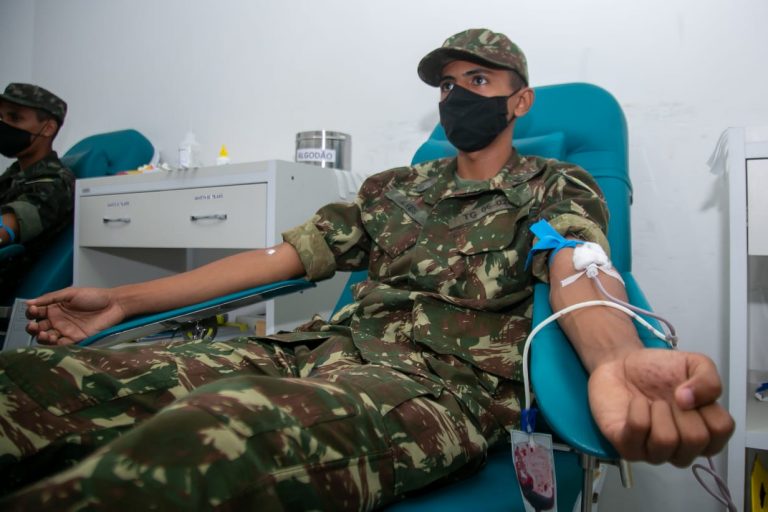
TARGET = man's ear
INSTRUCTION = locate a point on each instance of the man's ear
(51, 128)
(523, 102)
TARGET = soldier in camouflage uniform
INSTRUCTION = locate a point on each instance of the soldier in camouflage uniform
(36, 191)
(407, 386)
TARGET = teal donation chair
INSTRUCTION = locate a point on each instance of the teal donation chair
(98, 155)
(578, 123)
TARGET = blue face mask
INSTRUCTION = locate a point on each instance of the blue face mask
(472, 121)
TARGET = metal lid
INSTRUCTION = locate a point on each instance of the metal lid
(321, 134)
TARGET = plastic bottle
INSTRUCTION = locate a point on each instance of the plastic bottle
(189, 152)
(223, 158)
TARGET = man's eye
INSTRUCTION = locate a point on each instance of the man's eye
(446, 86)
(479, 80)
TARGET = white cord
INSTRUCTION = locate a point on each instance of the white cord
(564, 311)
(670, 339)
(725, 494)
(722, 493)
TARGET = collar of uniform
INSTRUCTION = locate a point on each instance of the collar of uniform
(12, 170)
(441, 184)
(512, 176)
(41, 167)
(517, 170)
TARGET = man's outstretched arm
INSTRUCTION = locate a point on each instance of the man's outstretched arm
(652, 404)
(70, 315)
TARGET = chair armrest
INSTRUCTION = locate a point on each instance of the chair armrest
(11, 251)
(560, 380)
(145, 325)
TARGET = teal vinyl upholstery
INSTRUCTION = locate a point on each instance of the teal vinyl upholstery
(98, 155)
(173, 319)
(108, 153)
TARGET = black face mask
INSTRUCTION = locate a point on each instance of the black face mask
(471, 121)
(13, 140)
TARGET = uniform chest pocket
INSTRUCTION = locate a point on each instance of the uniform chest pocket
(489, 227)
(396, 227)
(397, 236)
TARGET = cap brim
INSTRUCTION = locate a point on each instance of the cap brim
(431, 66)
(30, 104)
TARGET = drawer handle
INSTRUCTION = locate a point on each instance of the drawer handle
(123, 220)
(213, 216)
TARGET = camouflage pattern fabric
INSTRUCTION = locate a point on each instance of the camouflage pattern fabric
(475, 45)
(407, 386)
(42, 198)
(237, 425)
(448, 299)
(34, 96)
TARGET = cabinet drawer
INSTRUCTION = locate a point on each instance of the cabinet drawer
(757, 207)
(209, 217)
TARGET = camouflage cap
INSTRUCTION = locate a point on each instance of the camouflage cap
(476, 45)
(35, 96)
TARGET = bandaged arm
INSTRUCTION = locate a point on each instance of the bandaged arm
(598, 334)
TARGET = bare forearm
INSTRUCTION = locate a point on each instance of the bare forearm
(228, 275)
(598, 334)
(9, 221)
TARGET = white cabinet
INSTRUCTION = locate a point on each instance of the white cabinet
(232, 216)
(757, 206)
(136, 227)
(747, 167)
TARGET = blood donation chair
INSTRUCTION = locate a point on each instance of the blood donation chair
(579, 123)
(97, 155)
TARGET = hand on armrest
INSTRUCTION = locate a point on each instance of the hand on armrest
(651, 404)
(70, 315)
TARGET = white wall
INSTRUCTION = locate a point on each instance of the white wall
(250, 74)
(16, 27)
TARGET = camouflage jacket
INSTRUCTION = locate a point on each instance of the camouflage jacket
(448, 298)
(41, 197)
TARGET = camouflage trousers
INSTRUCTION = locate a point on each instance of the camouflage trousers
(247, 424)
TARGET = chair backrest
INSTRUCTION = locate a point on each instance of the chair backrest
(578, 123)
(97, 155)
(108, 153)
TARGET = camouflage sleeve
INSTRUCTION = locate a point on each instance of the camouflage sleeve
(42, 205)
(574, 205)
(334, 239)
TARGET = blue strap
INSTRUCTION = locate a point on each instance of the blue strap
(528, 419)
(7, 229)
(549, 240)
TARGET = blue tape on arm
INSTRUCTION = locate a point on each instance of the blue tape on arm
(10, 233)
(549, 240)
